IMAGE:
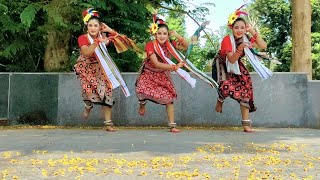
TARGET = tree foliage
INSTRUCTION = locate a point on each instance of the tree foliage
(41, 35)
(202, 54)
(16, 51)
(315, 55)
(274, 18)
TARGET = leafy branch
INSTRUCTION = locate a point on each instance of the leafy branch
(193, 14)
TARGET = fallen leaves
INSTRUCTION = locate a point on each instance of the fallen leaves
(211, 161)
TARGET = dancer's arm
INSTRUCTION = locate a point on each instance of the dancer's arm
(106, 28)
(233, 57)
(182, 42)
(154, 60)
(88, 50)
(258, 42)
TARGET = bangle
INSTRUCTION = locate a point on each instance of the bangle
(96, 41)
(238, 52)
(174, 67)
(254, 38)
(113, 33)
(181, 40)
(150, 54)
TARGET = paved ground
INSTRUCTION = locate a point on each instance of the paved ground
(53, 153)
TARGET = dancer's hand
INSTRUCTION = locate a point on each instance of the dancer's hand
(104, 38)
(180, 65)
(244, 45)
(106, 28)
(250, 29)
(173, 33)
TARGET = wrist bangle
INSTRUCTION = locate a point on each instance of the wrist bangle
(255, 36)
(238, 52)
(181, 40)
(174, 67)
(113, 33)
(253, 39)
(96, 41)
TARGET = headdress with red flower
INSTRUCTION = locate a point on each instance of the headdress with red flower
(88, 13)
(157, 19)
(235, 15)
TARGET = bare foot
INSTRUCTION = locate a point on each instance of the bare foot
(219, 106)
(142, 109)
(247, 129)
(110, 129)
(175, 130)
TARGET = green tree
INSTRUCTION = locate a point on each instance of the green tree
(202, 55)
(42, 35)
(275, 25)
(315, 38)
(22, 42)
(315, 55)
(176, 21)
(274, 16)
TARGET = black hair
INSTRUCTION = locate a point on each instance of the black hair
(239, 19)
(95, 18)
(163, 25)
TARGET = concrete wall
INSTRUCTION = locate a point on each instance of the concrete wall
(313, 107)
(284, 100)
(4, 90)
(23, 93)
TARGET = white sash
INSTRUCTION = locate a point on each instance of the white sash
(109, 67)
(261, 69)
(235, 66)
(182, 73)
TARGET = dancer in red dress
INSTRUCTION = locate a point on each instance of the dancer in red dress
(154, 82)
(233, 76)
(96, 88)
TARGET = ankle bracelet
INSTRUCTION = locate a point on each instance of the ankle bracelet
(247, 122)
(172, 125)
(220, 100)
(108, 123)
(143, 102)
(88, 106)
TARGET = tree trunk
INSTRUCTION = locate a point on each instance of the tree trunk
(301, 37)
(57, 50)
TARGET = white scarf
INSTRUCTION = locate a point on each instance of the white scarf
(235, 66)
(182, 73)
(261, 69)
(109, 67)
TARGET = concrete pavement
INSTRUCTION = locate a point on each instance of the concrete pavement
(142, 153)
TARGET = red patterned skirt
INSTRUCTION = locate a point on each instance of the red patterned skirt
(238, 87)
(95, 86)
(155, 85)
